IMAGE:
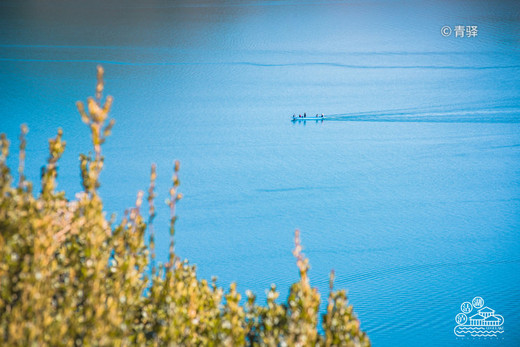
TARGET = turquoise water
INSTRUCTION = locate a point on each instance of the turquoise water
(410, 190)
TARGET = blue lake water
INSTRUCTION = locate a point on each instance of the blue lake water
(410, 190)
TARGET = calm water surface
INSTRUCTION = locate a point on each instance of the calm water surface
(410, 191)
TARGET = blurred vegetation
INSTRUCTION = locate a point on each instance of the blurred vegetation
(69, 276)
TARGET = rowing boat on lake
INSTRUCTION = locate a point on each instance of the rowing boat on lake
(294, 119)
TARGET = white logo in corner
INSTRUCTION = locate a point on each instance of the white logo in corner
(477, 320)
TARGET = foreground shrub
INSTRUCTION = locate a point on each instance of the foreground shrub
(70, 277)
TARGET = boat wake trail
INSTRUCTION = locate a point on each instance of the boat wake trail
(471, 114)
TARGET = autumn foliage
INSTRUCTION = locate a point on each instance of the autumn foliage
(71, 277)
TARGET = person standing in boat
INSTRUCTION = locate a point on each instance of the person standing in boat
(304, 114)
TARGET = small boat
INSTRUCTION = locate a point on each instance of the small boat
(294, 119)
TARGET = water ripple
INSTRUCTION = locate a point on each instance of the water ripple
(247, 63)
